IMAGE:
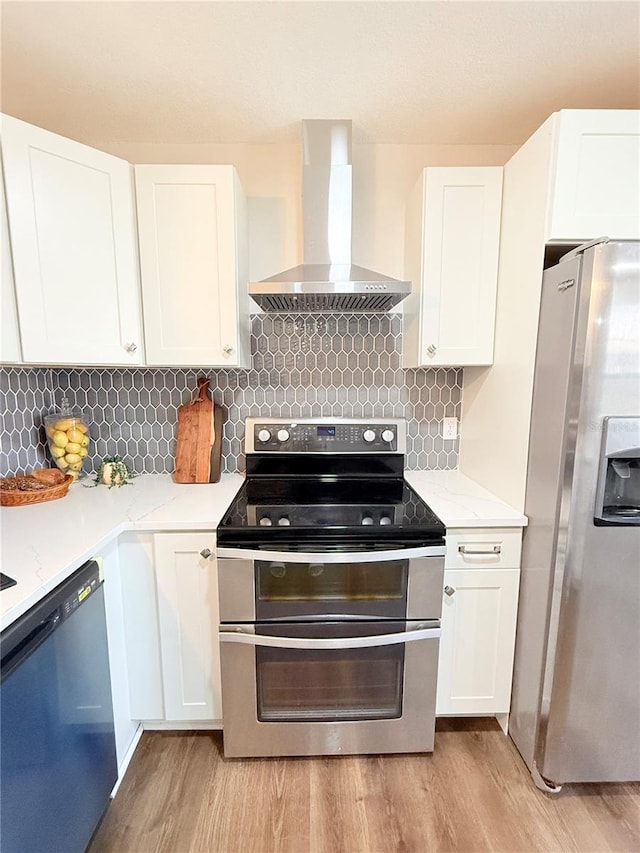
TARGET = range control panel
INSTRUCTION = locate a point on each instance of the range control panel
(324, 436)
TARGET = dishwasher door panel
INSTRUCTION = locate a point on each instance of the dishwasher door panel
(58, 749)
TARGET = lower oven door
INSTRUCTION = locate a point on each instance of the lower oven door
(329, 688)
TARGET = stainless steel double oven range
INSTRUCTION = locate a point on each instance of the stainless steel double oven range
(330, 578)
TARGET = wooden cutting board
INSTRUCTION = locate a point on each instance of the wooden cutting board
(199, 439)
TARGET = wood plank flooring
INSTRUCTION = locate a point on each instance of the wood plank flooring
(473, 794)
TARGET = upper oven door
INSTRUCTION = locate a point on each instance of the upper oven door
(316, 587)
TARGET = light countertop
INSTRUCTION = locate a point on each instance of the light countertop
(42, 544)
(460, 502)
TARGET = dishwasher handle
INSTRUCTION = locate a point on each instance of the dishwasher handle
(12, 660)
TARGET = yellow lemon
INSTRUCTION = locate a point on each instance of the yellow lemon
(75, 435)
(75, 466)
(83, 452)
(85, 441)
(73, 458)
(60, 438)
(82, 427)
(72, 447)
(56, 451)
(62, 462)
(64, 424)
(51, 430)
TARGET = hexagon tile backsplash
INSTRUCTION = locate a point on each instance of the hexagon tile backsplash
(341, 365)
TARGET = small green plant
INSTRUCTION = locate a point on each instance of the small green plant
(113, 472)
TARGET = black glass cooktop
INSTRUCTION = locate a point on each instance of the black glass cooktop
(299, 512)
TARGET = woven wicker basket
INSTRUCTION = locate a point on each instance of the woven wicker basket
(17, 497)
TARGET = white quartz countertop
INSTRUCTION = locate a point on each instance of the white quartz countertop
(43, 544)
(460, 502)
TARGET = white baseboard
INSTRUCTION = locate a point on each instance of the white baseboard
(182, 725)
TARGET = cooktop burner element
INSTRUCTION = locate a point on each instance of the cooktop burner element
(336, 484)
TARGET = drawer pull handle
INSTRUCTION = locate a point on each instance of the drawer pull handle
(206, 553)
(449, 590)
(474, 552)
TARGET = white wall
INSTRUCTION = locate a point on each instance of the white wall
(271, 176)
(496, 401)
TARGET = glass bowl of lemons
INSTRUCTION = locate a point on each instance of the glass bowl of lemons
(68, 439)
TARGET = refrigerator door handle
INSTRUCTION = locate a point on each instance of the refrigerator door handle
(580, 250)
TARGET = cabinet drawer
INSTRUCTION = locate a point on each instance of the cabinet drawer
(483, 548)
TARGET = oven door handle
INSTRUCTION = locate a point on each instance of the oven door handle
(331, 556)
(244, 634)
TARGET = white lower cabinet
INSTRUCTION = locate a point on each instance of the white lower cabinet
(479, 610)
(188, 617)
(170, 603)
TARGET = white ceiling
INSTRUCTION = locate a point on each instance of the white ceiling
(405, 72)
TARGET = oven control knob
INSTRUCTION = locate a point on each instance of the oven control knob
(283, 435)
(384, 519)
(369, 435)
(367, 519)
(265, 521)
(283, 521)
(388, 435)
(264, 435)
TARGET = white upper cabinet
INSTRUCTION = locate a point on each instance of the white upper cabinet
(595, 175)
(451, 258)
(193, 260)
(72, 223)
(9, 333)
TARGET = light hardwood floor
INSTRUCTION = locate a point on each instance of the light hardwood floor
(473, 794)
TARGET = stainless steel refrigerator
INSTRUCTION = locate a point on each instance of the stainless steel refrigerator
(575, 712)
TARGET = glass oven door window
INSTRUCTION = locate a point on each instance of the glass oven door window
(300, 589)
(295, 685)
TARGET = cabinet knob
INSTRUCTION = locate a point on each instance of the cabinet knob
(449, 590)
(206, 553)
(227, 350)
(130, 348)
(431, 349)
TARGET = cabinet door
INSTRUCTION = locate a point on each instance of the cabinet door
(71, 218)
(188, 222)
(596, 176)
(478, 635)
(188, 616)
(9, 334)
(458, 268)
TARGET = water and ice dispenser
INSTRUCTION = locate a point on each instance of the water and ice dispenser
(618, 493)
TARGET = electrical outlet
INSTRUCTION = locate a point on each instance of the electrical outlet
(450, 428)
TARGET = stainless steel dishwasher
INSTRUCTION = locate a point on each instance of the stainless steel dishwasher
(57, 736)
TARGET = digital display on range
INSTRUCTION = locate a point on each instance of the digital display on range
(324, 431)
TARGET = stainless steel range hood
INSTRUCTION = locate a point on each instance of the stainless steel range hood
(327, 280)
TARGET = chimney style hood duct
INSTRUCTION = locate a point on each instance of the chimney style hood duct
(327, 280)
